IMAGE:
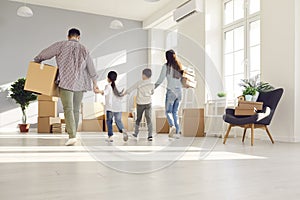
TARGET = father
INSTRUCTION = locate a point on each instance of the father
(75, 72)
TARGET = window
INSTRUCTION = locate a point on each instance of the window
(241, 52)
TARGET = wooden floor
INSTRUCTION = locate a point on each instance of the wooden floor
(39, 167)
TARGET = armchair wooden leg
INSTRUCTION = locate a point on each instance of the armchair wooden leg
(227, 133)
(269, 134)
(245, 130)
(252, 134)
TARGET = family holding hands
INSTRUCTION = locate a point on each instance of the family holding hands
(76, 71)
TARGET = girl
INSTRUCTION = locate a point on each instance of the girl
(172, 70)
(113, 106)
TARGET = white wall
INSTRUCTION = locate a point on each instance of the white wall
(191, 49)
(278, 61)
(297, 70)
(23, 38)
(213, 48)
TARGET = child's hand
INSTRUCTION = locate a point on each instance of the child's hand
(123, 93)
(96, 88)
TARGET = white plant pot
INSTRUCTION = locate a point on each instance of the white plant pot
(255, 97)
(248, 97)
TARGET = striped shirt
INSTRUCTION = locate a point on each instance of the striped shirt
(75, 66)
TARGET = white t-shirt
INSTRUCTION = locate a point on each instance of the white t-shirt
(113, 103)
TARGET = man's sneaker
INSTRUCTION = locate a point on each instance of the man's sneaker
(150, 138)
(125, 135)
(172, 131)
(71, 142)
(109, 139)
(177, 136)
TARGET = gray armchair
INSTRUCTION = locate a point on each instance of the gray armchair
(271, 100)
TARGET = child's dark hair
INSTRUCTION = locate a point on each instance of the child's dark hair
(112, 76)
(147, 72)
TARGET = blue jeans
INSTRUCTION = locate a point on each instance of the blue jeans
(109, 121)
(173, 99)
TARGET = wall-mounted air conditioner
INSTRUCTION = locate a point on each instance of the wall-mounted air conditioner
(188, 8)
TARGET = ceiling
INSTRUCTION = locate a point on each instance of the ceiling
(128, 9)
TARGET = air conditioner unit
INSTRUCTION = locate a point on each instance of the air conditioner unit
(188, 8)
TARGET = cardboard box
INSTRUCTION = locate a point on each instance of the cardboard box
(40, 78)
(244, 112)
(92, 110)
(46, 98)
(92, 125)
(44, 124)
(162, 125)
(47, 109)
(250, 105)
(186, 83)
(193, 122)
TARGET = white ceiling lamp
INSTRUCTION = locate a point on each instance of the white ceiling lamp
(24, 11)
(116, 24)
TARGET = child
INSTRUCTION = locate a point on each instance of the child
(144, 91)
(113, 106)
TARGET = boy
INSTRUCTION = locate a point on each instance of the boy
(144, 91)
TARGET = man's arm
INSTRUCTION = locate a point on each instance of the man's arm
(162, 76)
(48, 53)
(92, 73)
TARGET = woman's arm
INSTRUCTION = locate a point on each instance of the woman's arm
(162, 76)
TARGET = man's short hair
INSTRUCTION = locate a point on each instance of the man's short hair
(147, 72)
(73, 32)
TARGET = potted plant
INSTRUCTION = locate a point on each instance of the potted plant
(221, 94)
(249, 92)
(23, 98)
(257, 84)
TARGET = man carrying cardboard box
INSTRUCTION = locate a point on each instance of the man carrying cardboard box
(75, 72)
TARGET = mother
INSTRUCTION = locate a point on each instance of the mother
(172, 70)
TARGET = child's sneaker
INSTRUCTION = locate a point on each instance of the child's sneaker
(109, 139)
(172, 131)
(125, 135)
(150, 138)
(134, 135)
(177, 136)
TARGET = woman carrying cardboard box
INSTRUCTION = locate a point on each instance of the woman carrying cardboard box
(76, 71)
(172, 71)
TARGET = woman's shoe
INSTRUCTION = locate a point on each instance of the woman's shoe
(172, 131)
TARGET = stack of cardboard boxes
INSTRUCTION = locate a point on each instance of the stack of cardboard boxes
(193, 122)
(93, 119)
(189, 78)
(58, 128)
(47, 113)
(247, 108)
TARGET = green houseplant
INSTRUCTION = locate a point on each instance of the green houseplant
(255, 82)
(221, 94)
(249, 92)
(23, 98)
(258, 85)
